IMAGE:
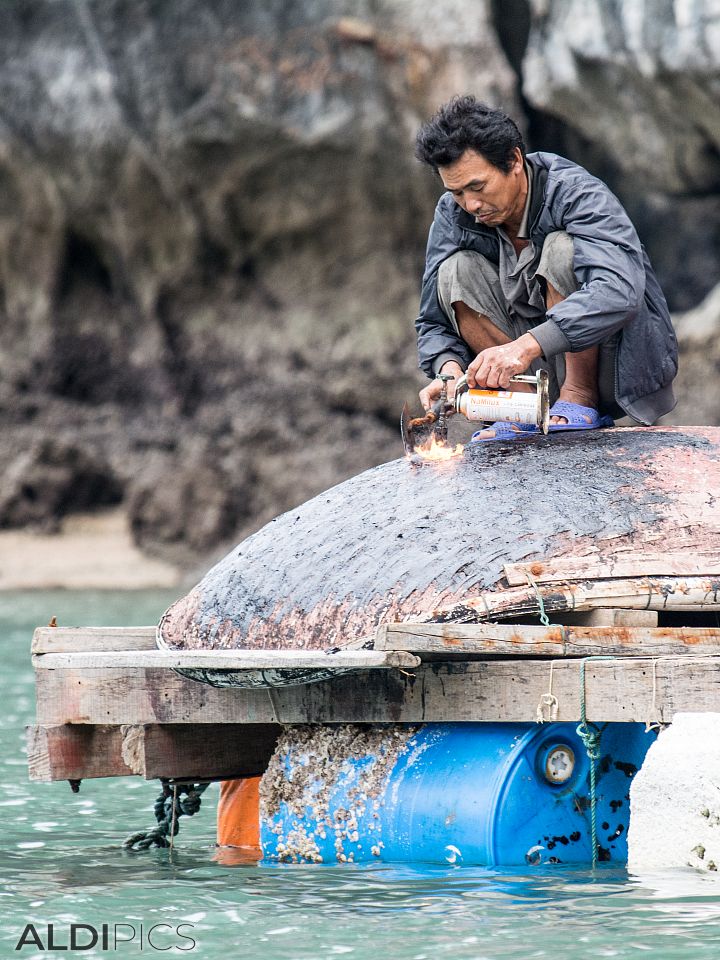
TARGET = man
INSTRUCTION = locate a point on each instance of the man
(532, 262)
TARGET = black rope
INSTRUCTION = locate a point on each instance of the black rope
(175, 801)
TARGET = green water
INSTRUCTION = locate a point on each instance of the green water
(62, 863)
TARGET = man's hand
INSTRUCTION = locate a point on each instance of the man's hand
(493, 368)
(431, 392)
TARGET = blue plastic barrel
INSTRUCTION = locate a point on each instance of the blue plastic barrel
(493, 794)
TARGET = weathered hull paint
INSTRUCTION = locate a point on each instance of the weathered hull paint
(400, 541)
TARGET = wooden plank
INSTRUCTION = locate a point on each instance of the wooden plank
(227, 659)
(83, 639)
(597, 568)
(614, 617)
(501, 690)
(75, 752)
(209, 751)
(560, 598)
(82, 752)
(521, 640)
(100, 639)
(607, 617)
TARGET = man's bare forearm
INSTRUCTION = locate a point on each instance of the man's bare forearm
(493, 368)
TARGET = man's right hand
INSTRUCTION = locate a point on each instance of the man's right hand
(430, 393)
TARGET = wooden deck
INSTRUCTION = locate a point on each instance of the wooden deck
(630, 569)
(109, 703)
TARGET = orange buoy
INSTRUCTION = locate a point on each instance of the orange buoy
(238, 815)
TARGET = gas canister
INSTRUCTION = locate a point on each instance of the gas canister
(512, 405)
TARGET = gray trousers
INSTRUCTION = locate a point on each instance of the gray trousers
(469, 277)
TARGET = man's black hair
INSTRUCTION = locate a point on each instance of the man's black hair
(465, 123)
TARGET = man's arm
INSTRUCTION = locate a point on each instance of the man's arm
(438, 343)
(493, 368)
(430, 393)
(608, 263)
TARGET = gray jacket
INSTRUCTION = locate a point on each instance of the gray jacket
(618, 290)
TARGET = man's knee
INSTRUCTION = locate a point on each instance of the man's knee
(469, 277)
(461, 269)
(557, 263)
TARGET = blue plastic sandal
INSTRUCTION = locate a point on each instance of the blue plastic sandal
(504, 431)
(578, 417)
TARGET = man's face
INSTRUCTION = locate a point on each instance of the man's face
(484, 191)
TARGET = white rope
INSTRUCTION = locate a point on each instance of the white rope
(174, 817)
(547, 708)
(488, 611)
(654, 720)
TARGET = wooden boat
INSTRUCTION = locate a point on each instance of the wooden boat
(467, 539)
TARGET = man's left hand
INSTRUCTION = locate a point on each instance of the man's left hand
(493, 368)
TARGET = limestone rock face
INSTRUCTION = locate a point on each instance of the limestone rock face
(674, 805)
(640, 84)
(698, 383)
(52, 479)
(149, 151)
(645, 77)
(212, 226)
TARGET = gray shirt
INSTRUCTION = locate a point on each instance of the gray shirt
(521, 290)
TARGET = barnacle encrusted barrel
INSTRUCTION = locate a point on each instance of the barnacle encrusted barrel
(463, 793)
(400, 540)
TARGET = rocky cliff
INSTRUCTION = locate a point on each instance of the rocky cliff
(212, 227)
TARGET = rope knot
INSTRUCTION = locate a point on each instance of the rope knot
(190, 804)
(547, 708)
(590, 736)
(168, 808)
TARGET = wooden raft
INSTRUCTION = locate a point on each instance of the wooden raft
(110, 704)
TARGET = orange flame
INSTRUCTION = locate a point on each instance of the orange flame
(434, 450)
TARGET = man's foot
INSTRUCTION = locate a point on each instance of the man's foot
(573, 397)
(504, 430)
(565, 415)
